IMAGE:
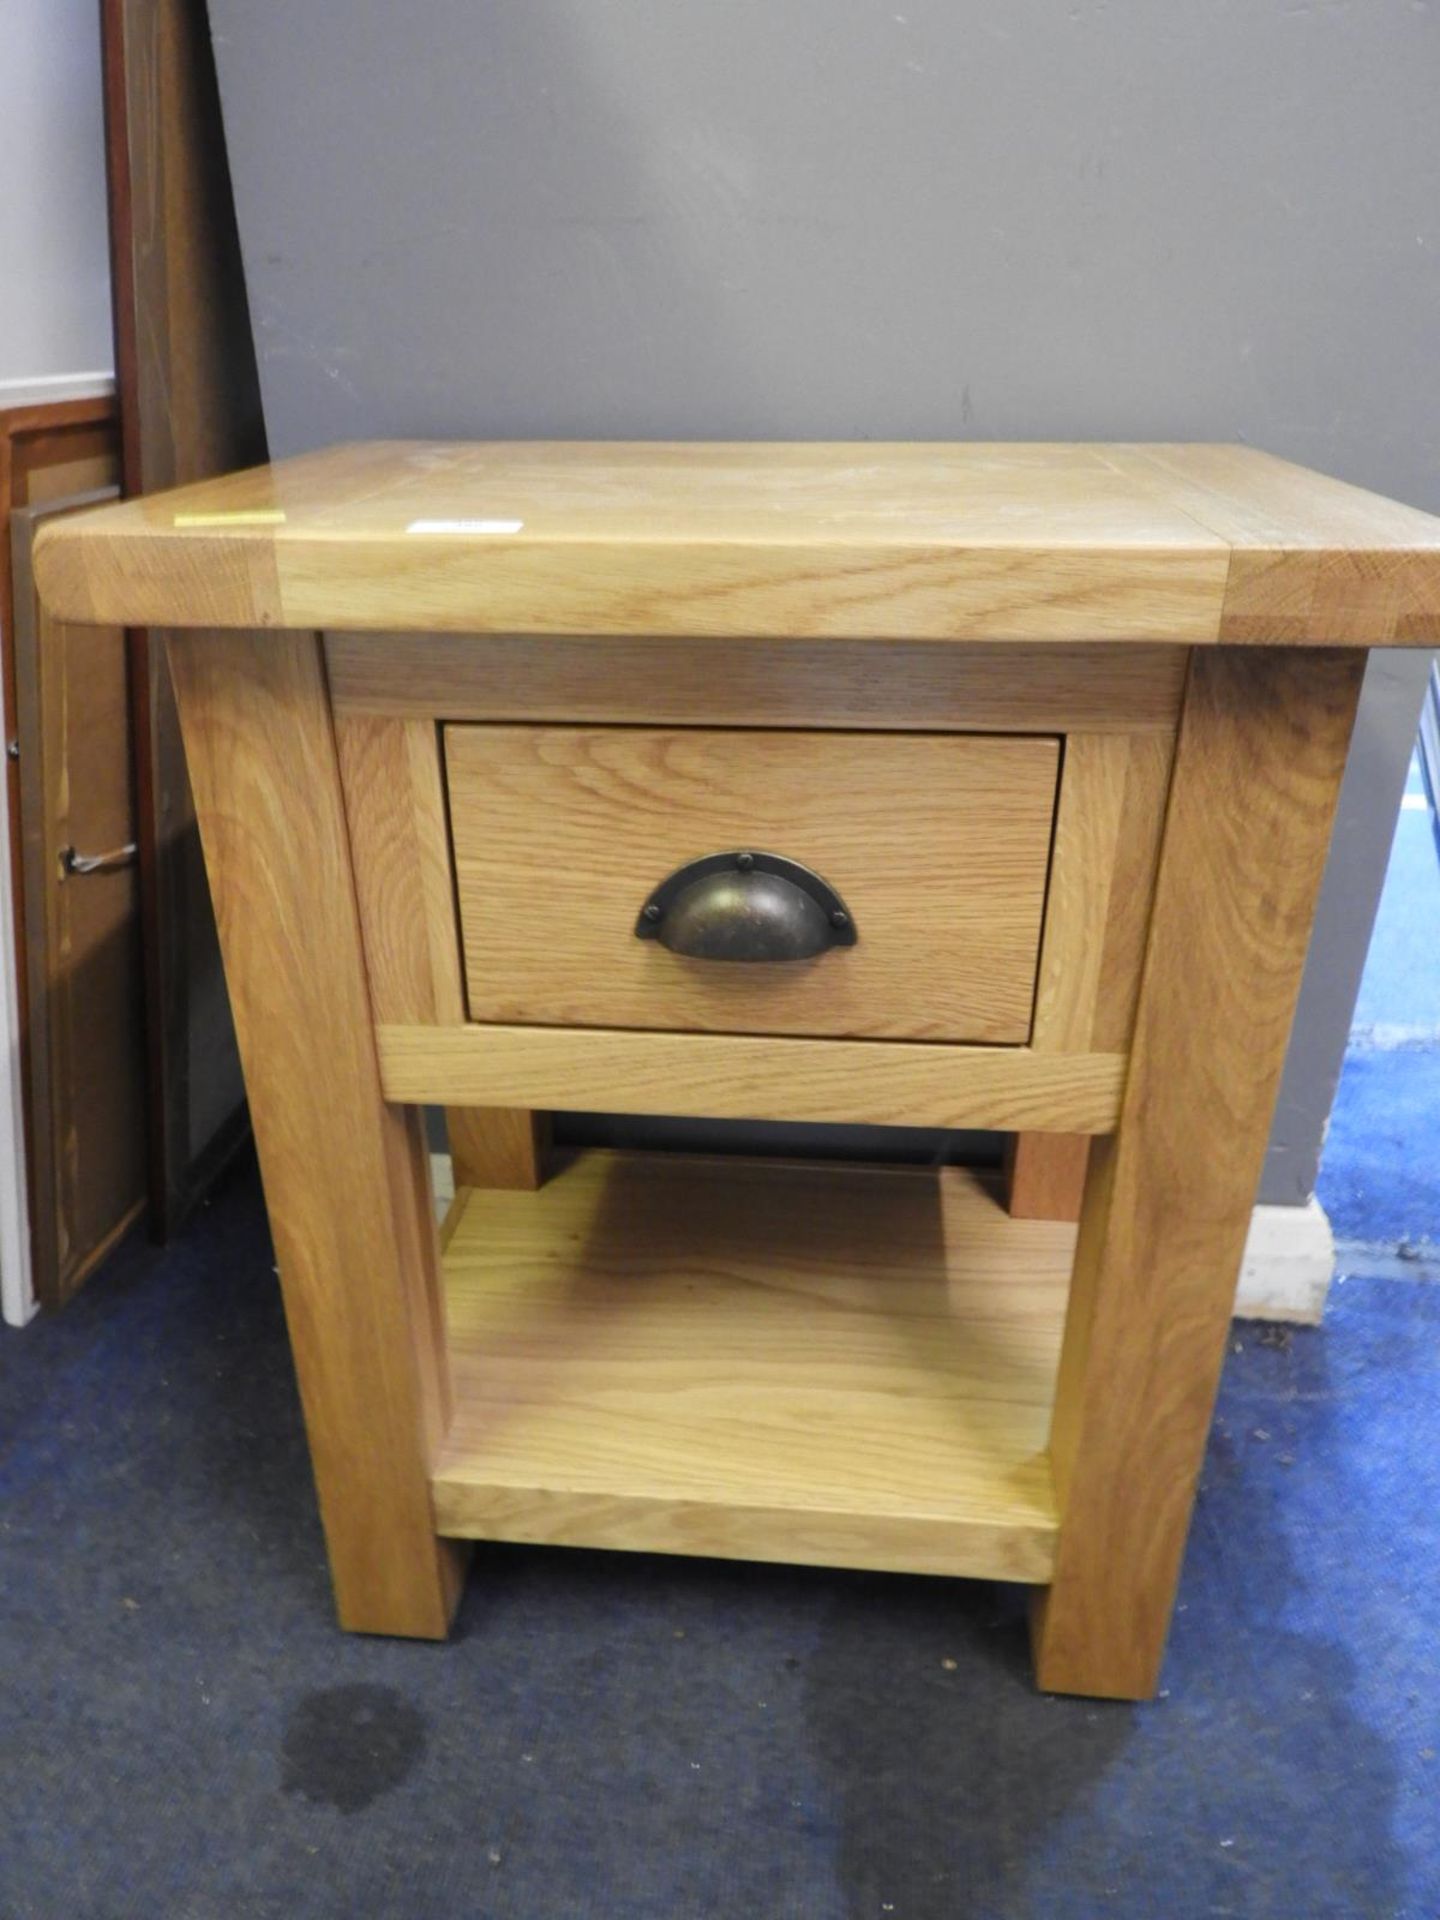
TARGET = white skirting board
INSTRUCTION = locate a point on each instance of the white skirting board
(1288, 1266)
(1286, 1273)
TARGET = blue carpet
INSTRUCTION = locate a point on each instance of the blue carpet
(185, 1736)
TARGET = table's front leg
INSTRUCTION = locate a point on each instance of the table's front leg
(1167, 1203)
(346, 1176)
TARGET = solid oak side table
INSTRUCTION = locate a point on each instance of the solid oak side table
(950, 786)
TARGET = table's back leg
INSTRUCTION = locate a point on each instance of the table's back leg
(346, 1175)
(1045, 1175)
(1167, 1201)
(498, 1146)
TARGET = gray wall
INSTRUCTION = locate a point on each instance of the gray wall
(54, 251)
(824, 218)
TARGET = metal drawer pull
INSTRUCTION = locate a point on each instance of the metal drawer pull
(111, 862)
(746, 906)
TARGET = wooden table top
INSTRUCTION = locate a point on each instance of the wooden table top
(1006, 542)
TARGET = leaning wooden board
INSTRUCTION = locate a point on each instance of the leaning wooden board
(189, 403)
(1060, 729)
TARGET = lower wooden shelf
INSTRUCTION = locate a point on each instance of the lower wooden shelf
(832, 1365)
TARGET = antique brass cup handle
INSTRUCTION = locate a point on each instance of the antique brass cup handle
(746, 906)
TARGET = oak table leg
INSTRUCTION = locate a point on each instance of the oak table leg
(1045, 1175)
(346, 1175)
(498, 1146)
(1167, 1202)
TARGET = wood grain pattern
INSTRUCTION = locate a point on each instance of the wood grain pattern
(1087, 836)
(737, 1076)
(1132, 889)
(1102, 881)
(346, 1177)
(1045, 1175)
(830, 1365)
(936, 843)
(395, 808)
(1167, 1205)
(645, 680)
(926, 542)
(498, 1146)
(1312, 560)
(1001, 543)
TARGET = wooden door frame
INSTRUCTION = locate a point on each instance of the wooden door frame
(36, 436)
(57, 1270)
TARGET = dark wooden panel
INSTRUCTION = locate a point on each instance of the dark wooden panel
(84, 1058)
(46, 451)
(190, 408)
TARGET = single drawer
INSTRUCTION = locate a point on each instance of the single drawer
(937, 845)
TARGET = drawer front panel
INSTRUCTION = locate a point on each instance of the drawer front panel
(938, 845)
